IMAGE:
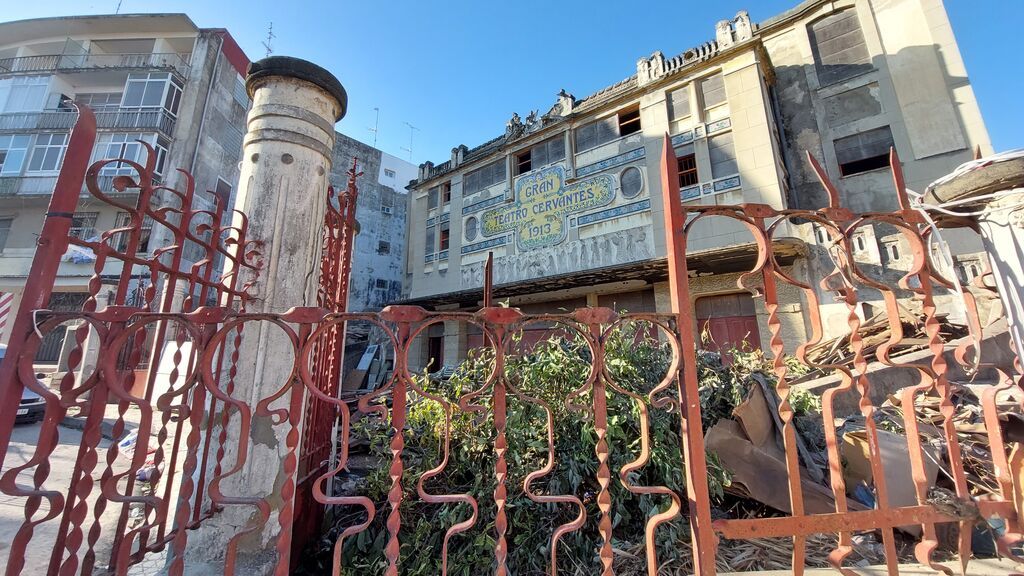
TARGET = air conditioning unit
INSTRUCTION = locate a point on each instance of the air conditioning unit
(385, 209)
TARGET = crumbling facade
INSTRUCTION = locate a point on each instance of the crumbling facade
(569, 200)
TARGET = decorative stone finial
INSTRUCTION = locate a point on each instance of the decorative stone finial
(300, 69)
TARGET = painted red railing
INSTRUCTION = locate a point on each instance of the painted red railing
(205, 453)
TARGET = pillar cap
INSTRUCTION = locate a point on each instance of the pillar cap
(985, 179)
(301, 69)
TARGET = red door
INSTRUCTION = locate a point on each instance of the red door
(727, 321)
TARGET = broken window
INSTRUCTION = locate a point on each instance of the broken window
(687, 170)
(383, 247)
(864, 152)
(723, 155)
(446, 193)
(837, 44)
(443, 237)
(547, 152)
(679, 103)
(629, 121)
(592, 135)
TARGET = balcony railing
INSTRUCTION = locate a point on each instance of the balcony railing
(179, 63)
(44, 185)
(126, 119)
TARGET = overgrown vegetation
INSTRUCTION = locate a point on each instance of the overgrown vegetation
(551, 374)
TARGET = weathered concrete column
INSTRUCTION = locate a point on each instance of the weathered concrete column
(995, 193)
(286, 160)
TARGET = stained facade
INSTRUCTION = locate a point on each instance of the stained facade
(568, 200)
(155, 78)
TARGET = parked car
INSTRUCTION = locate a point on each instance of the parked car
(32, 405)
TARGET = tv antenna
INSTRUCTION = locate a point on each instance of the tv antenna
(270, 38)
(412, 130)
(376, 123)
(118, 9)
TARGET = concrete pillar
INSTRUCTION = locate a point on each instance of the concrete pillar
(286, 160)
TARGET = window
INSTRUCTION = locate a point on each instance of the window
(83, 225)
(687, 170)
(484, 177)
(48, 152)
(124, 146)
(13, 150)
(387, 201)
(429, 243)
(381, 284)
(124, 220)
(722, 155)
(223, 192)
(864, 152)
(101, 102)
(446, 193)
(443, 237)
(240, 93)
(5, 230)
(603, 131)
(629, 121)
(470, 228)
(894, 251)
(712, 91)
(162, 144)
(631, 182)
(837, 44)
(152, 90)
(26, 94)
(389, 173)
(383, 247)
(859, 245)
(547, 152)
(432, 196)
(679, 103)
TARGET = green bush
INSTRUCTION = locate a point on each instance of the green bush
(552, 373)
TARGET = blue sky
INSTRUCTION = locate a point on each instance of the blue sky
(458, 69)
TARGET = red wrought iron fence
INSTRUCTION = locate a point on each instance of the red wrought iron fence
(633, 504)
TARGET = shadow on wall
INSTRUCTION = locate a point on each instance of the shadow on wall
(870, 101)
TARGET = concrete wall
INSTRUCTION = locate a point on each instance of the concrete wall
(379, 252)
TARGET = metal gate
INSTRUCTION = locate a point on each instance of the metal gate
(190, 454)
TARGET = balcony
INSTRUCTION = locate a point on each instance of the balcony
(121, 119)
(177, 63)
(28, 186)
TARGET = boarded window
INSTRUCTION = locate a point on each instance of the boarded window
(864, 152)
(712, 90)
(679, 103)
(430, 248)
(723, 155)
(837, 43)
(470, 228)
(485, 177)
